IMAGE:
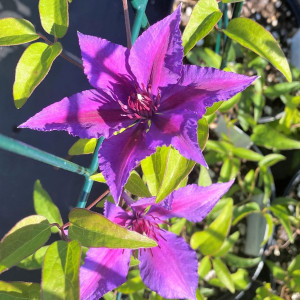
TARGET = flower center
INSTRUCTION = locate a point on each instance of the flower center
(141, 104)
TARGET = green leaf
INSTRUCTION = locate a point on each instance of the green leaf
(240, 279)
(282, 214)
(230, 103)
(270, 225)
(247, 154)
(229, 169)
(294, 265)
(132, 285)
(54, 16)
(276, 270)
(211, 239)
(282, 88)
(33, 261)
(83, 146)
(60, 276)
(19, 290)
(214, 108)
(205, 16)
(32, 68)
(94, 230)
(268, 137)
(207, 55)
(23, 239)
(178, 226)
(241, 262)
(253, 36)
(16, 31)
(98, 177)
(286, 201)
(223, 274)
(204, 267)
(228, 244)
(231, 1)
(165, 170)
(265, 293)
(204, 177)
(242, 211)
(136, 185)
(202, 133)
(271, 159)
(44, 206)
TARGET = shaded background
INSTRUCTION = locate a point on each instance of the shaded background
(103, 18)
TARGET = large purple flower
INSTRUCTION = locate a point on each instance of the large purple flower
(146, 90)
(170, 269)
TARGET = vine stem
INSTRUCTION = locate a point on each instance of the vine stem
(69, 59)
(127, 23)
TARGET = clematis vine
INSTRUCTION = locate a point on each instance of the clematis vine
(170, 269)
(145, 90)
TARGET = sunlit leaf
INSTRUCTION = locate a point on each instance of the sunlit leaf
(247, 154)
(22, 240)
(32, 68)
(60, 276)
(83, 146)
(223, 274)
(202, 133)
(44, 206)
(205, 16)
(16, 31)
(282, 88)
(241, 262)
(270, 225)
(15, 290)
(228, 244)
(136, 185)
(54, 16)
(33, 261)
(251, 35)
(204, 177)
(94, 230)
(204, 267)
(271, 159)
(242, 211)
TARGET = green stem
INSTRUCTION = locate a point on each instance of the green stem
(236, 13)
(88, 183)
(138, 19)
(23, 149)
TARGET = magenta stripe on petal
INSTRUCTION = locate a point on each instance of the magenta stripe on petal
(120, 154)
(89, 114)
(156, 56)
(171, 268)
(103, 270)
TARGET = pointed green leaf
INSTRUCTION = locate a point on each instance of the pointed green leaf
(98, 177)
(276, 270)
(247, 154)
(231, 1)
(211, 239)
(202, 133)
(33, 261)
(44, 206)
(241, 262)
(16, 31)
(242, 211)
(282, 88)
(18, 290)
(178, 226)
(271, 159)
(204, 267)
(133, 284)
(83, 146)
(253, 36)
(229, 169)
(228, 244)
(60, 275)
(204, 177)
(265, 293)
(32, 68)
(268, 137)
(54, 16)
(270, 225)
(230, 103)
(136, 185)
(165, 170)
(240, 279)
(205, 16)
(94, 230)
(294, 265)
(214, 108)
(223, 274)
(23, 239)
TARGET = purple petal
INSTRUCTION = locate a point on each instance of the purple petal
(115, 213)
(103, 270)
(178, 129)
(156, 56)
(121, 153)
(194, 202)
(105, 65)
(89, 114)
(201, 87)
(171, 268)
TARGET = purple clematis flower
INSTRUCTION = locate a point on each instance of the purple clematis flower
(146, 90)
(170, 269)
